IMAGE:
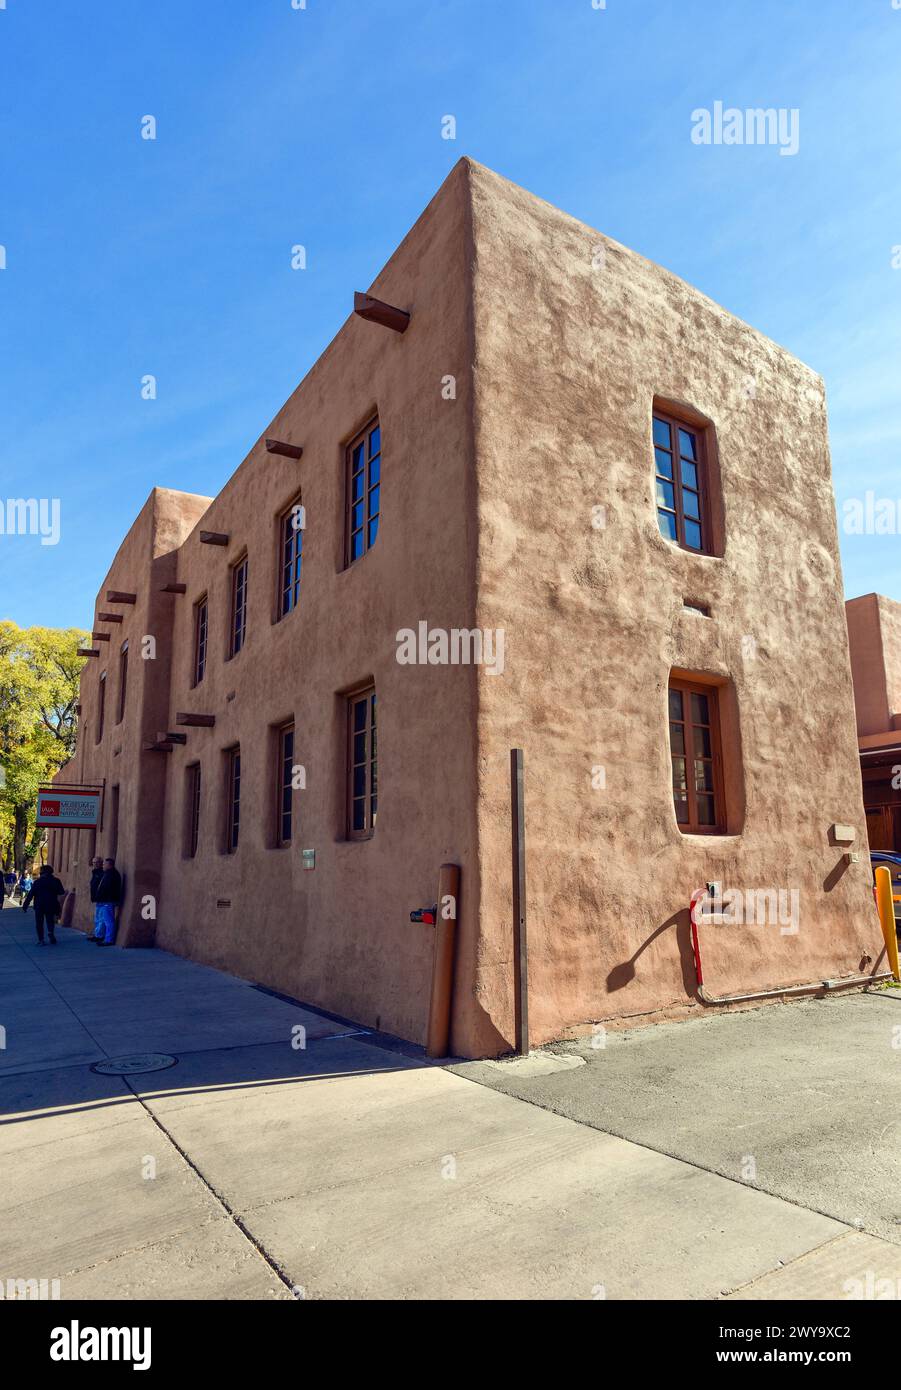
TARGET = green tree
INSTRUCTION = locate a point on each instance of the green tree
(39, 674)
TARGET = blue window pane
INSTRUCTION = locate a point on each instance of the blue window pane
(359, 781)
(356, 545)
(373, 530)
(664, 462)
(688, 445)
(691, 504)
(665, 494)
(375, 470)
(667, 523)
(356, 516)
(690, 474)
(375, 442)
(357, 459)
(360, 715)
(356, 487)
(359, 814)
(661, 433)
(693, 535)
(374, 502)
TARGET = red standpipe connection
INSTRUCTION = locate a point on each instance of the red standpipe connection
(696, 899)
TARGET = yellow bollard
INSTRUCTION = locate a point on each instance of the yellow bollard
(886, 907)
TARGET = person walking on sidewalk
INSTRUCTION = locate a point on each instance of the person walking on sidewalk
(109, 896)
(96, 932)
(45, 893)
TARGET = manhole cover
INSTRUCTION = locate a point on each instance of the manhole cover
(137, 1062)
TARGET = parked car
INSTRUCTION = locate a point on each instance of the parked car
(885, 859)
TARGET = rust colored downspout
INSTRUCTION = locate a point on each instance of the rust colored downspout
(706, 998)
(438, 1034)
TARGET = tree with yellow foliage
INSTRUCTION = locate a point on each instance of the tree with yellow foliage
(39, 673)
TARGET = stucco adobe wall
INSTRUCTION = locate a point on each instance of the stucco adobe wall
(570, 357)
(340, 936)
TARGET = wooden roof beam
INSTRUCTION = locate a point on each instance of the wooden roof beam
(289, 451)
(377, 311)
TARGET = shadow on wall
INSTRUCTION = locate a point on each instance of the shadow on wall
(622, 975)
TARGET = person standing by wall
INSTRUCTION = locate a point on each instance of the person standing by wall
(45, 892)
(109, 896)
(96, 933)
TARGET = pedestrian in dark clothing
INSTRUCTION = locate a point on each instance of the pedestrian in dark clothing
(96, 933)
(45, 893)
(109, 896)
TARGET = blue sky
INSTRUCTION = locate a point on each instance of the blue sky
(322, 126)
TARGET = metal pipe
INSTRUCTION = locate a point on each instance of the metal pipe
(438, 1034)
(520, 940)
(828, 985)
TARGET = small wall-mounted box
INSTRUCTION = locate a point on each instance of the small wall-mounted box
(309, 858)
(852, 856)
(844, 834)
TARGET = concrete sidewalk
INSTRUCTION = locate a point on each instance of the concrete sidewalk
(347, 1168)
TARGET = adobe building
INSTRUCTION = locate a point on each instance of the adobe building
(874, 633)
(626, 494)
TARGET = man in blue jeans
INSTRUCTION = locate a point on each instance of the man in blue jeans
(109, 896)
(95, 934)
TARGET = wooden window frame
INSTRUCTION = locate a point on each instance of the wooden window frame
(369, 796)
(232, 799)
(237, 636)
(701, 434)
(693, 825)
(290, 559)
(101, 707)
(123, 681)
(201, 638)
(284, 776)
(368, 488)
(192, 809)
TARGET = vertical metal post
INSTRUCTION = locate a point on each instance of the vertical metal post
(520, 943)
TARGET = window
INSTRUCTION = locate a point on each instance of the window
(285, 784)
(201, 626)
(680, 465)
(192, 809)
(291, 557)
(232, 799)
(239, 606)
(362, 759)
(101, 706)
(123, 681)
(696, 757)
(364, 467)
